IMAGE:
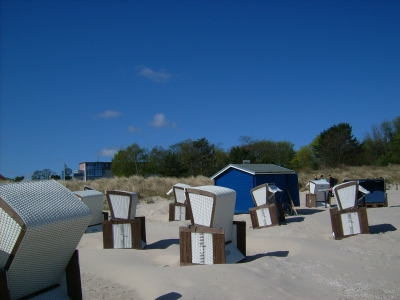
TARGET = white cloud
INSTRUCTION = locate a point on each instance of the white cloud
(109, 114)
(159, 120)
(161, 76)
(133, 129)
(108, 152)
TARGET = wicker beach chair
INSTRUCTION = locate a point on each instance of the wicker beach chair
(318, 194)
(347, 218)
(267, 211)
(41, 224)
(124, 229)
(178, 210)
(213, 236)
(94, 200)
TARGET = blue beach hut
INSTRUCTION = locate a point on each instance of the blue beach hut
(243, 177)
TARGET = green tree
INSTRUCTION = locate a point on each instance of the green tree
(130, 161)
(304, 159)
(43, 174)
(336, 146)
(18, 178)
(172, 165)
(263, 152)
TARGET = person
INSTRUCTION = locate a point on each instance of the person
(322, 177)
(332, 182)
(315, 177)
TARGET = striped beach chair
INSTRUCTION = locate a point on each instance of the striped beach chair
(213, 237)
(124, 229)
(266, 211)
(94, 200)
(179, 210)
(347, 218)
(41, 224)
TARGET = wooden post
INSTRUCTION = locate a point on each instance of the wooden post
(4, 291)
(73, 277)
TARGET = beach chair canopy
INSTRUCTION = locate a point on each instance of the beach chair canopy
(346, 194)
(212, 206)
(94, 200)
(122, 204)
(264, 193)
(41, 224)
(179, 192)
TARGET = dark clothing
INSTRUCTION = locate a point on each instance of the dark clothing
(332, 182)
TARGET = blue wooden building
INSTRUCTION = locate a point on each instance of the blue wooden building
(243, 177)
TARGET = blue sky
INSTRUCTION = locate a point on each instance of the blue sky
(82, 79)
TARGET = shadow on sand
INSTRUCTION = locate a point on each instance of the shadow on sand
(250, 258)
(295, 219)
(169, 296)
(309, 211)
(163, 244)
(381, 228)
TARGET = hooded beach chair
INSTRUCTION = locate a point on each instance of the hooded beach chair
(213, 237)
(178, 210)
(124, 229)
(267, 211)
(347, 218)
(318, 193)
(41, 224)
(94, 200)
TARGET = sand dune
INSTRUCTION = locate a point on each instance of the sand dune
(298, 260)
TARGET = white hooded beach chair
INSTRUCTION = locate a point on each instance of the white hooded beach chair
(347, 218)
(318, 195)
(267, 211)
(124, 229)
(94, 200)
(178, 210)
(41, 224)
(213, 237)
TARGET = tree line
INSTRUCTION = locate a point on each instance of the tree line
(333, 147)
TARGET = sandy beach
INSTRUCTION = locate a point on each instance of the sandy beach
(296, 260)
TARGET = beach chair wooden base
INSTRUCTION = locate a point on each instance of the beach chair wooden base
(124, 233)
(179, 212)
(348, 222)
(204, 245)
(72, 282)
(311, 200)
(264, 216)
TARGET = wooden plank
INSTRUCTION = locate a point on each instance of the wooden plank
(254, 219)
(336, 222)
(136, 231)
(4, 291)
(108, 242)
(363, 218)
(189, 215)
(185, 246)
(291, 201)
(219, 248)
(142, 228)
(311, 200)
(73, 277)
(241, 236)
(273, 215)
(171, 212)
